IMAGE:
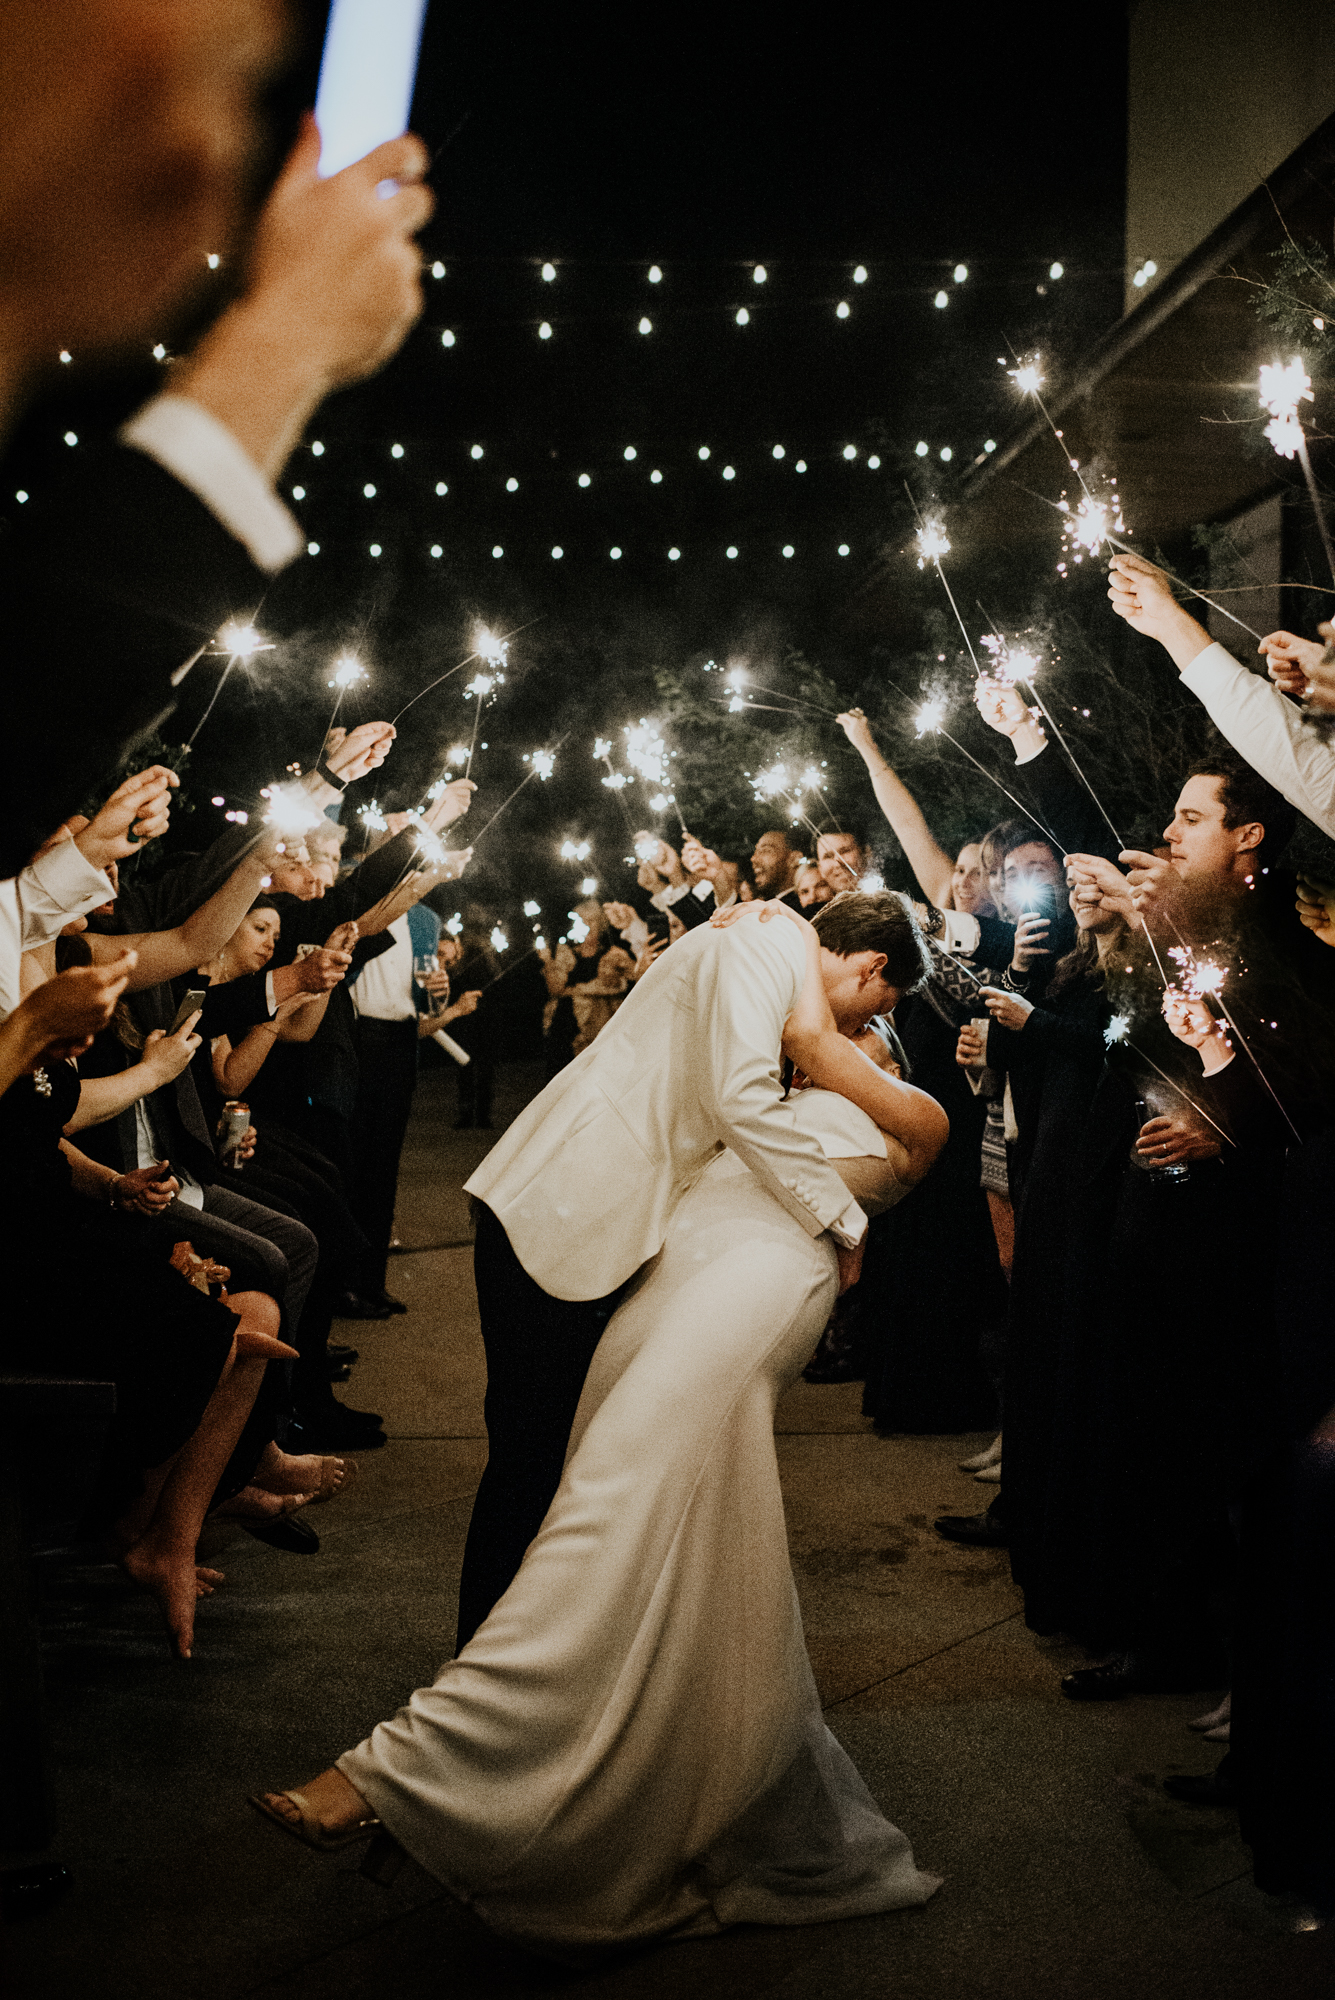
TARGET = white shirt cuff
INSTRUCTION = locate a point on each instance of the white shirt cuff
(269, 1000)
(703, 888)
(1032, 754)
(202, 453)
(55, 888)
(849, 1226)
(961, 933)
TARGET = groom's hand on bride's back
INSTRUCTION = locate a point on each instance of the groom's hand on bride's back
(763, 912)
(850, 1264)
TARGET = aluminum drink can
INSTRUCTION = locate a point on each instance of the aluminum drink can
(232, 1129)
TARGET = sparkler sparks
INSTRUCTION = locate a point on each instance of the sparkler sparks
(372, 818)
(496, 652)
(579, 930)
(481, 685)
(543, 762)
(1027, 378)
(1009, 664)
(455, 924)
(241, 642)
(499, 941)
(1281, 390)
(1199, 979)
(348, 671)
(930, 716)
(1117, 1030)
(575, 850)
(532, 909)
(288, 814)
(932, 543)
(646, 752)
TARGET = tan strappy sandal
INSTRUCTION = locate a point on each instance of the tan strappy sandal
(330, 1484)
(308, 1829)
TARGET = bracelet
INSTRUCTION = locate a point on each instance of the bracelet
(331, 777)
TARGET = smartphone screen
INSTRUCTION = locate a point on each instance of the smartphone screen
(367, 75)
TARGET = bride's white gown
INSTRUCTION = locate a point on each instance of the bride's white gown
(631, 1747)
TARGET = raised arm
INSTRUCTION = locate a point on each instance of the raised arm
(926, 857)
(1260, 722)
(166, 954)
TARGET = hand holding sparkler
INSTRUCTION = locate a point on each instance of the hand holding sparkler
(450, 804)
(1190, 1020)
(1175, 1141)
(138, 810)
(698, 860)
(1141, 594)
(858, 731)
(1155, 883)
(663, 858)
(1004, 709)
(1289, 661)
(1096, 882)
(1008, 1010)
(351, 753)
(1316, 908)
(1321, 679)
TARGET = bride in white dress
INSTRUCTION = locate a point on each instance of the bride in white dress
(631, 1747)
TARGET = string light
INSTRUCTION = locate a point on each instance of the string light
(655, 275)
(760, 274)
(941, 300)
(961, 273)
(545, 331)
(584, 479)
(475, 451)
(317, 449)
(743, 317)
(447, 337)
(548, 272)
(646, 326)
(842, 310)
(860, 275)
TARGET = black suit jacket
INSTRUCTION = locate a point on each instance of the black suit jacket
(108, 584)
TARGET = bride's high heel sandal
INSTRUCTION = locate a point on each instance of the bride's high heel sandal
(308, 1829)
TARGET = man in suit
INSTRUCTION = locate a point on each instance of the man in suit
(113, 582)
(580, 1191)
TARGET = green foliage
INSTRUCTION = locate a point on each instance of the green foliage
(1303, 290)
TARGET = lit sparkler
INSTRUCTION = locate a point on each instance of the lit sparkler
(237, 642)
(579, 930)
(543, 762)
(1117, 1030)
(499, 941)
(372, 818)
(575, 850)
(1282, 389)
(532, 909)
(930, 716)
(348, 671)
(289, 813)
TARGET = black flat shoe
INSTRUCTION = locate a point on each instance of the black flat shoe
(286, 1532)
(386, 1303)
(339, 1352)
(1216, 1788)
(975, 1531)
(350, 1305)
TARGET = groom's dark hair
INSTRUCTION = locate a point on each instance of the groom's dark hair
(879, 921)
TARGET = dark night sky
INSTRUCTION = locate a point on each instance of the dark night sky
(705, 140)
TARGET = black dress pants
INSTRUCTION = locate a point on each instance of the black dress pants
(538, 1354)
(387, 1057)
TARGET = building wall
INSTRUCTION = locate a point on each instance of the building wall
(1221, 91)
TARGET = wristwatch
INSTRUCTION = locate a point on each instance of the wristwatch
(332, 777)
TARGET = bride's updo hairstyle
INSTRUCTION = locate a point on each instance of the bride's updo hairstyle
(880, 921)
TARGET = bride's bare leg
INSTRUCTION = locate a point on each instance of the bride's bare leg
(337, 1805)
(163, 1559)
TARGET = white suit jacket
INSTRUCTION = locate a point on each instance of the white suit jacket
(585, 1181)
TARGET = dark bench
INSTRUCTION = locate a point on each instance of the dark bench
(52, 1431)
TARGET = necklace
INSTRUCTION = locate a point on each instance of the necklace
(41, 1083)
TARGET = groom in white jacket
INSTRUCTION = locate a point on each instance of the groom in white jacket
(579, 1192)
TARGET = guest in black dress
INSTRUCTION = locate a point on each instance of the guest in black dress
(96, 1295)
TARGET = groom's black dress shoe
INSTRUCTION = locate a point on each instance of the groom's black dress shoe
(1128, 1675)
(975, 1531)
(1216, 1788)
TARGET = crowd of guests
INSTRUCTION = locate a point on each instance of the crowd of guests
(206, 1067)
